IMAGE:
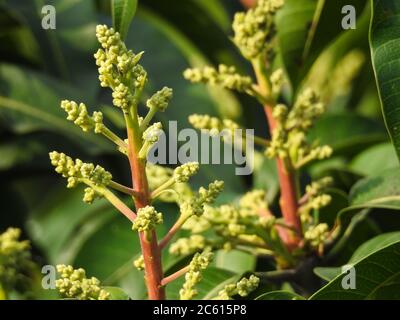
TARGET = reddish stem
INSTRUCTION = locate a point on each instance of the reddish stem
(288, 200)
(175, 276)
(150, 249)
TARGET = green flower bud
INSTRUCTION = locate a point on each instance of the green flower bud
(225, 76)
(74, 284)
(160, 99)
(185, 171)
(316, 235)
(254, 29)
(16, 265)
(243, 288)
(77, 172)
(186, 246)
(139, 263)
(147, 219)
(152, 133)
(199, 262)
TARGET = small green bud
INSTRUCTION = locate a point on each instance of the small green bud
(139, 263)
(316, 235)
(225, 76)
(243, 288)
(199, 262)
(186, 246)
(160, 99)
(147, 219)
(74, 284)
(185, 171)
(152, 133)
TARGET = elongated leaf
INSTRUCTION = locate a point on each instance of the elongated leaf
(313, 25)
(375, 160)
(377, 277)
(280, 295)
(30, 101)
(367, 248)
(347, 132)
(385, 43)
(123, 12)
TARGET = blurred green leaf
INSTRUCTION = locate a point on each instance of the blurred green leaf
(123, 12)
(385, 41)
(377, 277)
(314, 24)
(373, 245)
(22, 113)
(346, 132)
(375, 160)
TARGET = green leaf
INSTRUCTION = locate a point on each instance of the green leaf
(235, 261)
(373, 245)
(123, 12)
(279, 295)
(385, 42)
(53, 223)
(381, 191)
(347, 132)
(23, 113)
(375, 160)
(314, 24)
(377, 277)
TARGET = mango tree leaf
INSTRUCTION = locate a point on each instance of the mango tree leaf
(30, 101)
(235, 261)
(367, 248)
(123, 12)
(280, 295)
(313, 25)
(375, 160)
(67, 51)
(377, 277)
(53, 223)
(385, 41)
(347, 132)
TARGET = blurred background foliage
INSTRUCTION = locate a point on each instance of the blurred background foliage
(38, 68)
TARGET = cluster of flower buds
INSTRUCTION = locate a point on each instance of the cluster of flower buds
(226, 77)
(185, 171)
(317, 235)
(160, 99)
(139, 263)
(243, 288)
(315, 197)
(289, 141)
(158, 175)
(74, 284)
(79, 115)
(199, 262)
(194, 206)
(186, 246)
(147, 219)
(96, 177)
(254, 30)
(118, 67)
(16, 265)
(214, 126)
